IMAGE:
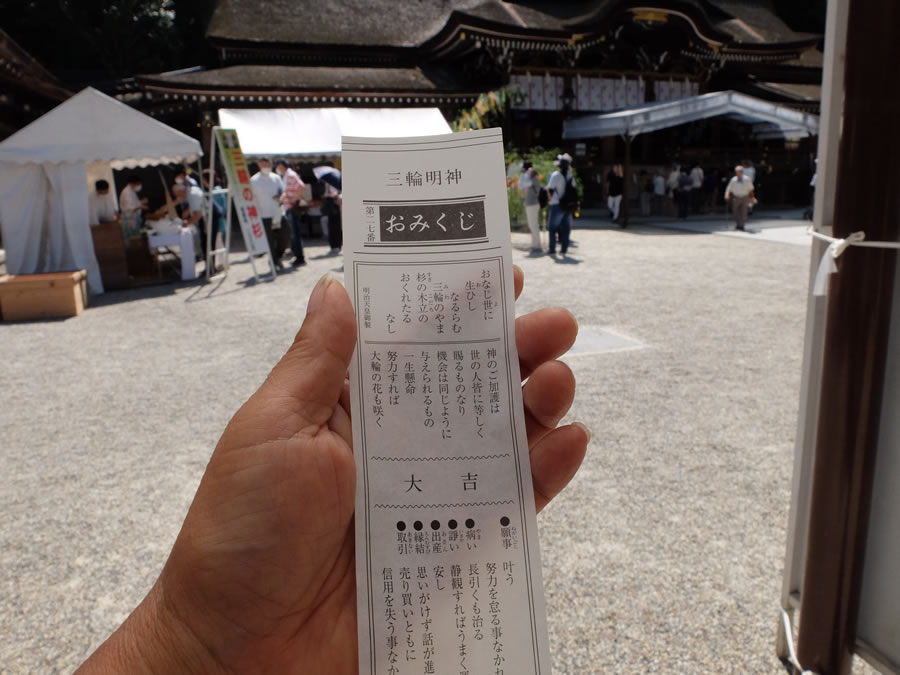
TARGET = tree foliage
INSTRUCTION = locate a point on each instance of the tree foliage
(806, 16)
(489, 110)
(544, 162)
(85, 40)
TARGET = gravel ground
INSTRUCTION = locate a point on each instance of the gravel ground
(665, 554)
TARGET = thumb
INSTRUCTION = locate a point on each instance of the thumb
(309, 378)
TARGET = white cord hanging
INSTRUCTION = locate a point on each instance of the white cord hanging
(789, 638)
(836, 248)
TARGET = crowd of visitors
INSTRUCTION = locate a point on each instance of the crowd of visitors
(283, 199)
(687, 189)
(682, 191)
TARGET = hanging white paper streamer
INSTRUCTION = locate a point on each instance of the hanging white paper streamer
(836, 247)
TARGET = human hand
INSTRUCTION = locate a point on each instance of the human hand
(262, 575)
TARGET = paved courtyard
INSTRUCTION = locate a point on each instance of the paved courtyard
(664, 555)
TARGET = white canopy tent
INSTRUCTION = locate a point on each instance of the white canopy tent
(767, 119)
(44, 211)
(318, 131)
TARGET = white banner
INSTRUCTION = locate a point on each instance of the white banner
(242, 192)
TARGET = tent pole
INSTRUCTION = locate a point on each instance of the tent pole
(210, 237)
(227, 242)
(209, 206)
(626, 180)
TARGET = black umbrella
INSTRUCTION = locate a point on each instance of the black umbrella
(328, 174)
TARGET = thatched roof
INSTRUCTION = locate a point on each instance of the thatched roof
(411, 23)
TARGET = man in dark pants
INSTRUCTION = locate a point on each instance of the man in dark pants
(291, 199)
(267, 189)
(331, 207)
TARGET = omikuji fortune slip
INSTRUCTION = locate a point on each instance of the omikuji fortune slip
(448, 561)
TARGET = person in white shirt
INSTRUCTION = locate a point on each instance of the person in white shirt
(181, 177)
(659, 191)
(195, 214)
(102, 204)
(267, 189)
(132, 206)
(559, 221)
(740, 192)
(750, 172)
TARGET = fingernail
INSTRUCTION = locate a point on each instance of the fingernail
(318, 294)
(584, 428)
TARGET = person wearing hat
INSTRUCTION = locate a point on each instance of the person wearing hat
(530, 186)
(559, 221)
(740, 192)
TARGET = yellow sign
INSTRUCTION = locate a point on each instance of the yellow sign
(650, 17)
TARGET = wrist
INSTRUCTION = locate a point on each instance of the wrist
(153, 639)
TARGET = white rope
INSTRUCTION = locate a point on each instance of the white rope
(789, 639)
(836, 248)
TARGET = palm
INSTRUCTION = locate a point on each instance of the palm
(263, 571)
(298, 591)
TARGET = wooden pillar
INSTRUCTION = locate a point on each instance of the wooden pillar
(626, 180)
(856, 334)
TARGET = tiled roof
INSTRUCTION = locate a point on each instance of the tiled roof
(755, 22)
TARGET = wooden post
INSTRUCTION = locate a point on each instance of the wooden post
(626, 180)
(811, 377)
(856, 336)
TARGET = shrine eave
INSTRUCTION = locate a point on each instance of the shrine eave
(20, 69)
(303, 86)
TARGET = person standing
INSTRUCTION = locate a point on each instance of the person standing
(750, 174)
(710, 190)
(615, 184)
(219, 203)
(102, 204)
(672, 183)
(182, 178)
(331, 207)
(659, 192)
(290, 199)
(132, 206)
(645, 185)
(559, 221)
(683, 194)
(268, 188)
(740, 192)
(192, 209)
(696, 188)
(530, 185)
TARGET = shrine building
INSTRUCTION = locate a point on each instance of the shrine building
(564, 59)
